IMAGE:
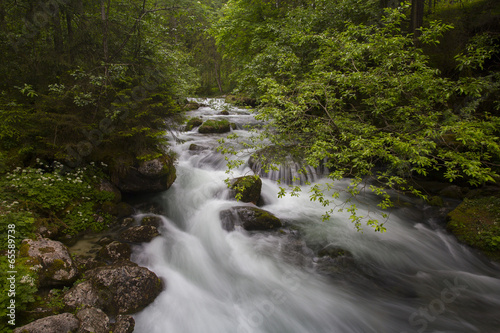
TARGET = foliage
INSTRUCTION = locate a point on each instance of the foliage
(365, 101)
(476, 222)
(58, 198)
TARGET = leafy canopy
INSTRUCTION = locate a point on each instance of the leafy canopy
(364, 100)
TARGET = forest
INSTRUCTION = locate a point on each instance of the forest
(387, 94)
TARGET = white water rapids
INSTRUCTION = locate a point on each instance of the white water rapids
(413, 278)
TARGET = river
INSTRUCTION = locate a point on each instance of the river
(413, 278)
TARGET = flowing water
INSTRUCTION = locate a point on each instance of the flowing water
(413, 278)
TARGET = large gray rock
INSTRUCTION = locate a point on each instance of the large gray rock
(120, 288)
(139, 234)
(51, 260)
(93, 320)
(115, 251)
(123, 324)
(250, 218)
(83, 294)
(62, 323)
(148, 176)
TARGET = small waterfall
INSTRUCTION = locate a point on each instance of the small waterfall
(413, 278)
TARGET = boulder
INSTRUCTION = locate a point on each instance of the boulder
(249, 218)
(120, 288)
(107, 186)
(154, 221)
(51, 260)
(83, 294)
(115, 251)
(452, 191)
(246, 189)
(215, 126)
(191, 106)
(139, 234)
(195, 147)
(333, 251)
(476, 222)
(125, 287)
(93, 320)
(123, 324)
(148, 176)
(120, 210)
(192, 123)
(62, 323)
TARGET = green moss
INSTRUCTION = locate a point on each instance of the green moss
(215, 126)
(476, 222)
(24, 250)
(193, 122)
(247, 188)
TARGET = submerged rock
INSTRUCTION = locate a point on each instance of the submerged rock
(51, 260)
(62, 323)
(250, 218)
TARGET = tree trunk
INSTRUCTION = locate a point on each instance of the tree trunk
(104, 18)
(417, 17)
(69, 29)
(58, 37)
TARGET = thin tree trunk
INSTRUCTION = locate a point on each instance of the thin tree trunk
(217, 77)
(104, 18)
(417, 18)
(69, 29)
(58, 38)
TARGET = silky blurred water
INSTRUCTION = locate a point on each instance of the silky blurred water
(413, 278)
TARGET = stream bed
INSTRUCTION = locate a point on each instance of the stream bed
(413, 278)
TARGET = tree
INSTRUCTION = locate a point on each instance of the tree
(365, 100)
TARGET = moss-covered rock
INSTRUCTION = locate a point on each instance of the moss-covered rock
(93, 320)
(246, 188)
(123, 324)
(51, 260)
(250, 218)
(192, 123)
(215, 126)
(476, 222)
(191, 106)
(139, 234)
(125, 286)
(120, 288)
(121, 209)
(154, 175)
(115, 251)
(62, 323)
(153, 220)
